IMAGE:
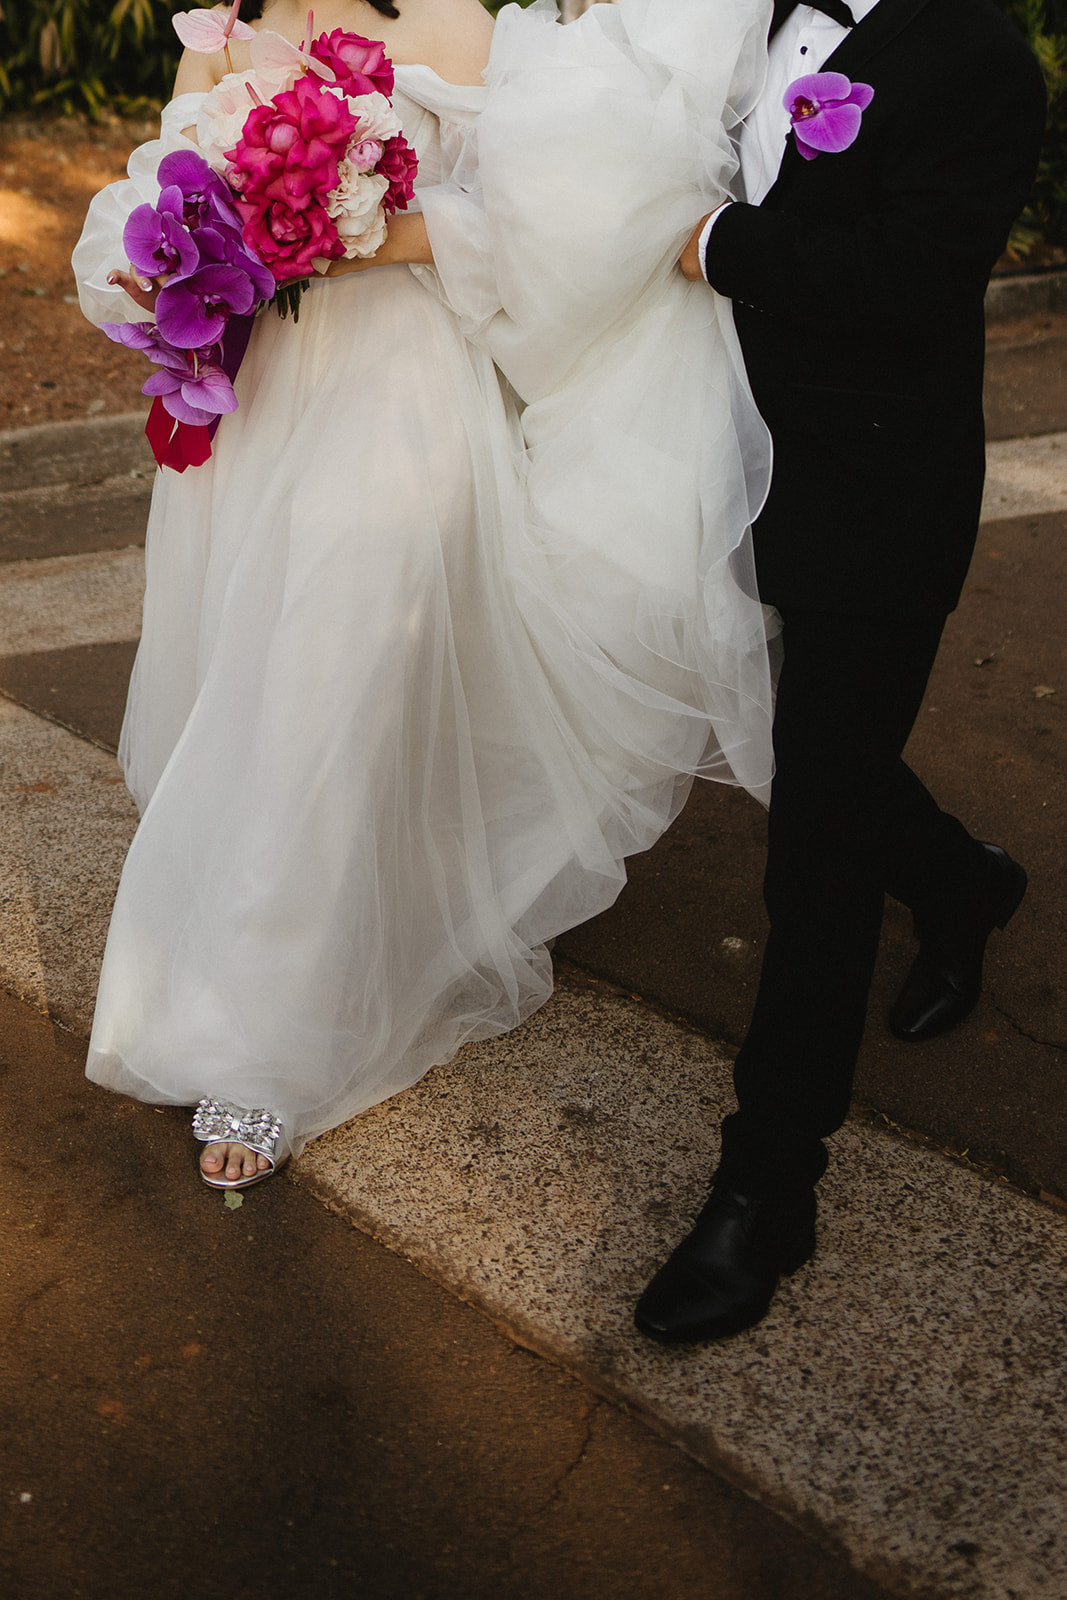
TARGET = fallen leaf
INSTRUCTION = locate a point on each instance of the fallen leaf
(1042, 691)
(231, 1199)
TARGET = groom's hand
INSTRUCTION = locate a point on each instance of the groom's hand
(689, 260)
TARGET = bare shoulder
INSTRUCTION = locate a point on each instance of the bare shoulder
(198, 74)
(451, 36)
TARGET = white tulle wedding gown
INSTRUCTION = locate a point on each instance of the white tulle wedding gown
(463, 598)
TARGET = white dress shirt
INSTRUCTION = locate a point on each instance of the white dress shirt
(804, 42)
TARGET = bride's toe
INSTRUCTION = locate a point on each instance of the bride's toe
(213, 1158)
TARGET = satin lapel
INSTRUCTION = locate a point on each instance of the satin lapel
(782, 9)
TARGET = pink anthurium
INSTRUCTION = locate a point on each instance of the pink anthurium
(826, 109)
(207, 33)
(273, 56)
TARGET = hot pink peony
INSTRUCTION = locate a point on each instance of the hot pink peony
(361, 65)
(290, 148)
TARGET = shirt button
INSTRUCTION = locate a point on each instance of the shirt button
(803, 49)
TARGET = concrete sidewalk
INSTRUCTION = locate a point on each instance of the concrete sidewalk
(904, 1403)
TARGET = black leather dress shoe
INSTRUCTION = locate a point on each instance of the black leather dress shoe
(722, 1276)
(946, 979)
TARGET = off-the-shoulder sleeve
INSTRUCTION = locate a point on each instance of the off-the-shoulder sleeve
(597, 148)
(100, 249)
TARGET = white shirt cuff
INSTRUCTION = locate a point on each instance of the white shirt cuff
(705, 234)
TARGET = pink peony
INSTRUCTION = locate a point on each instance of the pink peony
(399, 164)
(365, 155)
(361, 65)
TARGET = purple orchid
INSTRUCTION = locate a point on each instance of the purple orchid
(207, 197)
(191, 383)
(225, 246)
(829, 109)
(156, 238)
(192, 311)
(146, 337)
(196, 392)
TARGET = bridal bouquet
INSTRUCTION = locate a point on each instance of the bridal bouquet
(301, 160)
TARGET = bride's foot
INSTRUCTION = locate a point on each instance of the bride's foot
(231, 1161)
(243, 1147)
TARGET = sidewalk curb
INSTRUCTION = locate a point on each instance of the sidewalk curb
(80, 452)
(1027, 295)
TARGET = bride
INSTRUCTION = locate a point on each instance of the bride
(463, 598)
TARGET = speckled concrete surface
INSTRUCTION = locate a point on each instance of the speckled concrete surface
(69, 600)
(66, 821)
(907, 1394)
(1025, 475)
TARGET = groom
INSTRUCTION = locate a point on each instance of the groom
(857, 279)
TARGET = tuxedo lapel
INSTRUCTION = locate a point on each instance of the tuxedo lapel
(868, 37)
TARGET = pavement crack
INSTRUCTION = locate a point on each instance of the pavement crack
(549, 1505)
(1024, 1033)
(571, 1467)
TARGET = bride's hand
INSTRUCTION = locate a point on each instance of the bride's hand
(142, 290)
(689, 260)
(406, 243)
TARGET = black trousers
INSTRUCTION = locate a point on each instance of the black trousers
(848, 822)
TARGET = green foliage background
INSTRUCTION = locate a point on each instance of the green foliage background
(94, 55)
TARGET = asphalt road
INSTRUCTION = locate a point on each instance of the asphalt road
(199, 1403)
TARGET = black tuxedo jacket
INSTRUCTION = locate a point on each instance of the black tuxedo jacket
(858, 286)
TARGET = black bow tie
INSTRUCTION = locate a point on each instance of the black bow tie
(835, 9)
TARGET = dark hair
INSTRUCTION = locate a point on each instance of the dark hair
(254, 9)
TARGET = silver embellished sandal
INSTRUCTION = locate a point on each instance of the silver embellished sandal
(220, 1121)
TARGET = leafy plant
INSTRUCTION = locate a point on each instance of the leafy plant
(86, 55)
(1044, 222)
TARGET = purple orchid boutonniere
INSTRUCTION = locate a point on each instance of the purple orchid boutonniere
(826, 110)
